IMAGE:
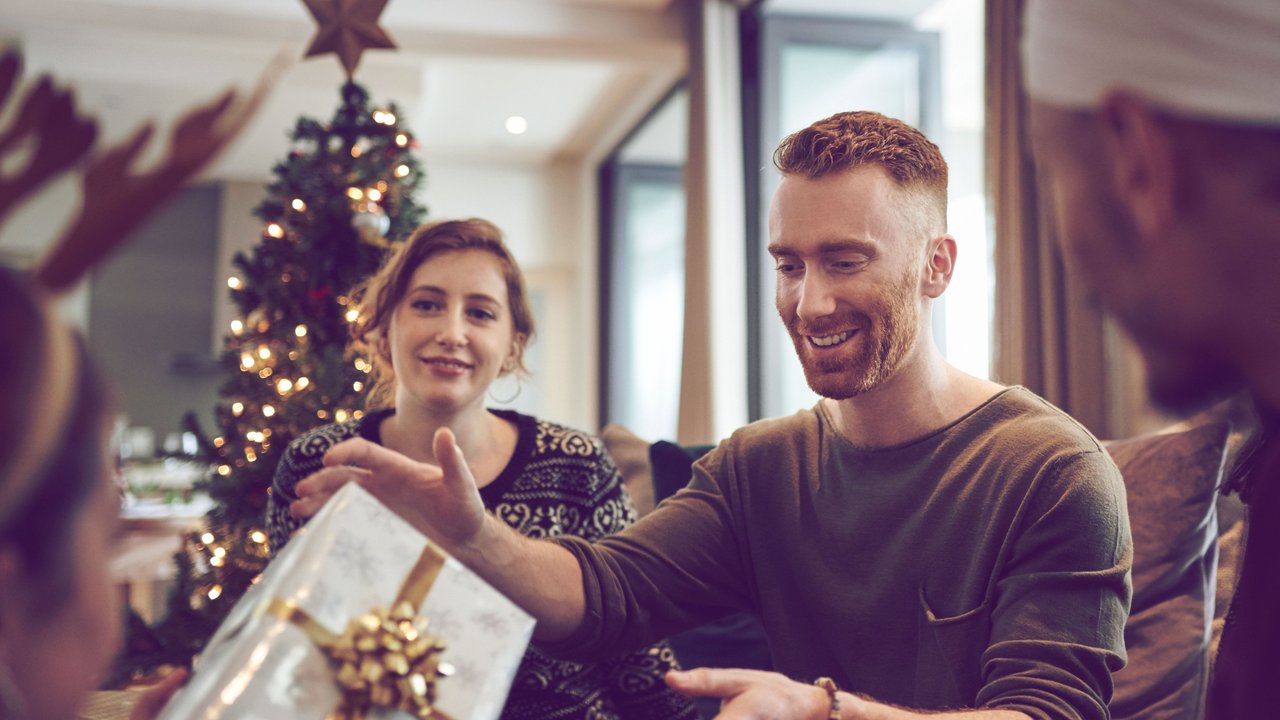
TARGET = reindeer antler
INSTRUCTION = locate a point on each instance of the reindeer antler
(47, 117)
(116, 200)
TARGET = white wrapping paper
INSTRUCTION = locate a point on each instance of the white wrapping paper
(353, 556)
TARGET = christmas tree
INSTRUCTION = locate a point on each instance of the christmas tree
(344, 193)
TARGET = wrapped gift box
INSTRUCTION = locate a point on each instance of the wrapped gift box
(354, 555)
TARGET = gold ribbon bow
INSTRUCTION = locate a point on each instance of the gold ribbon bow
(385, 658)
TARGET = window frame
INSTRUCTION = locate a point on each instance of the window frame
(764, 35)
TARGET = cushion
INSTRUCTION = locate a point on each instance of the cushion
(630, 453)
(673, 466)
(1171, 480)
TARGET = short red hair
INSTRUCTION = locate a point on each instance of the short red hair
(849, 140)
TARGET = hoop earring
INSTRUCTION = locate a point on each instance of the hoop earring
(508, 401)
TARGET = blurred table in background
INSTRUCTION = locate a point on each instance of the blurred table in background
(159, 509)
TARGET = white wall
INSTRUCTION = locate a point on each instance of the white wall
(31, 228)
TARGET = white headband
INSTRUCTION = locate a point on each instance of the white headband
(1216, 59)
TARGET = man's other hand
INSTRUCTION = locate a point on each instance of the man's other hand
(753, 694)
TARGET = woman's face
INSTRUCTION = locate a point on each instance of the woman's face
(62, 656)
(452, 334)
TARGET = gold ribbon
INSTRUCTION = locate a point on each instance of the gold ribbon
(384, 658)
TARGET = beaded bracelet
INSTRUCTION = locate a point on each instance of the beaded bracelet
(829, 685)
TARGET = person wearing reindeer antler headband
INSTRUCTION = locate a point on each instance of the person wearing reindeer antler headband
(59, 619)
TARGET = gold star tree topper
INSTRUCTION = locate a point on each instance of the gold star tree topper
(347, 29)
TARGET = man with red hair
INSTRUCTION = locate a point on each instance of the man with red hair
(919, 539)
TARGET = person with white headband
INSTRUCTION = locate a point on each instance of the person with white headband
(1156, 127)
(59, 508)
(59, 619)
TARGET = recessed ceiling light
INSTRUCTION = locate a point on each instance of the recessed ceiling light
(516, 125)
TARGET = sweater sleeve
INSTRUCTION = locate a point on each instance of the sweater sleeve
(280, 523)
(636, 685)
(302, 457)
(678, 567)
(1059, 610)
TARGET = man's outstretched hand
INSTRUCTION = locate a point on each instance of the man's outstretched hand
(440, 500)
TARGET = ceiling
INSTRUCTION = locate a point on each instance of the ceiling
(580, 71)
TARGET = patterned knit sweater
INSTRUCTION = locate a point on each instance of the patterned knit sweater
(559, 482)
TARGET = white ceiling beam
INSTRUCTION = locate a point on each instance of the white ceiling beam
(421, 27)
(618, 109)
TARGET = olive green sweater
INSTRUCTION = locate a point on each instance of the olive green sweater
(983, 565)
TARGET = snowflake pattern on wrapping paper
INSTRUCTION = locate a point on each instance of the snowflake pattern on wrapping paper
(445, 623)
(356, 556)
(322, 601)
(380, 515)
(311, 675)
(494, 624)
(468, 677)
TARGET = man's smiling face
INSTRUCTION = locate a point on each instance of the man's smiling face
(848, 271)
